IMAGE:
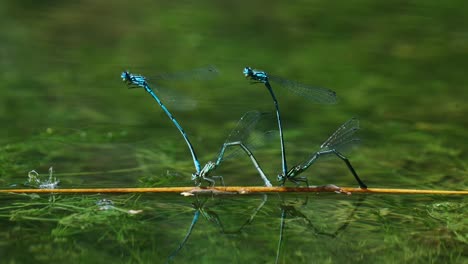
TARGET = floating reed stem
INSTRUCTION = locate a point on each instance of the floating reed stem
(188, 191)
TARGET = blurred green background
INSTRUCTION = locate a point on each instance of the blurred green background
(399, 66)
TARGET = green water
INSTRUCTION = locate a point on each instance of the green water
(399, 67)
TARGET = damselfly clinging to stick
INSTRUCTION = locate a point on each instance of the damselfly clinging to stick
(236, 137)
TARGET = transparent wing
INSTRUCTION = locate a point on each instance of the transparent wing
(174, 100)
(314, 94)
(203, 73)
(342, 136)
(341, 139)
(244, 126)
(169, 97)
(253, 142)
(244, 132)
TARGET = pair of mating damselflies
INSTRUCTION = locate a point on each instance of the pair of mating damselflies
(342, 136)
(236, 138)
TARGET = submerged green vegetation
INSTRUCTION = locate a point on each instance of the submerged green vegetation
(400, 67)
(132, 228)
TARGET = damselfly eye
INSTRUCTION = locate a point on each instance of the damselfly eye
(247, 71)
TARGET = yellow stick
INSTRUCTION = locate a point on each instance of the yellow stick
(238, 190)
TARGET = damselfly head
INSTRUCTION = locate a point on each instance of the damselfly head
(256, 76)
(125, 76)
(248, 72)
(132, 80)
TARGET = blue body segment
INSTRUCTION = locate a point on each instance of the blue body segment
(260, 76)
(140, 81)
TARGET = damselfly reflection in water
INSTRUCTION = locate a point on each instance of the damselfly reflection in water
(313, 94)
(293, 212)
(234, 139)
(290, 210)
(342, 136)
(213, 217)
